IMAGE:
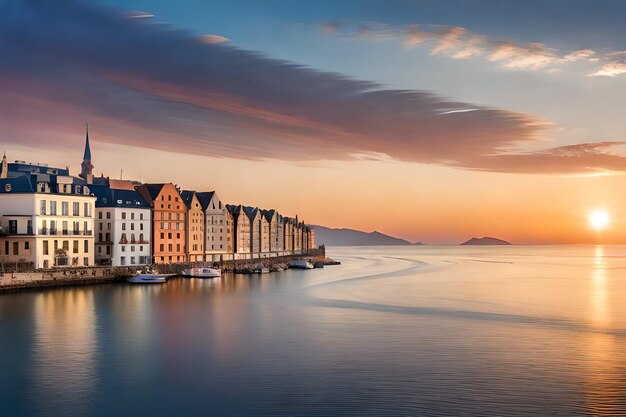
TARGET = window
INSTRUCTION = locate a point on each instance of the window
(108, 214)
(53, 208)
(75, 246)
(6, 247)
(86, 261)
(64, 208)
(123, 226)
(132, 216)
(132, 226)
(76, 208)
(42, 207)
(64, 225)
(108, 237)
(16, 248)
(161, 247)
(141, 216)
(13, 227)
(141, 226)
(100, 215)
(27, 245)
(162, 235)
(87, 210)
(86, 246)
(56, 245)
(169, 235)
(123, 215)
(123, 260)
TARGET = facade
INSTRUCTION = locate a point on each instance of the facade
(287, 234)
(218, 227)
(123, 225)
(254, 217)
(49, 213)
(271, 218)
(195, 227)
(168, 222)
(241, 232)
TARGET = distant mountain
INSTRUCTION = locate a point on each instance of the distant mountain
(485, 241)
(350, 237)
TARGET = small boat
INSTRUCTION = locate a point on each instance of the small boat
(149, 278)
(300, 264)
(202, 272)
(318, 264)
(265, 270)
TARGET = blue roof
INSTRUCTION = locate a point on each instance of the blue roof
(16, 184)
(108, 197)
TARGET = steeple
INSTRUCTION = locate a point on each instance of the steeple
(87, 155)
(86, 172)
(5, 167)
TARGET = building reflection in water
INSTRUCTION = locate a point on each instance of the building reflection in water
(64, 349)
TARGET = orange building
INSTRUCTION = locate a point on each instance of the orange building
(168, 222)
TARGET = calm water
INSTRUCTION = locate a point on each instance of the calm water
(393, 331)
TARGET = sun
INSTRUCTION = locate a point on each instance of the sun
(599, 219)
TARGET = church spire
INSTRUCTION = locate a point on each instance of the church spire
(87, 155)
(86, 172)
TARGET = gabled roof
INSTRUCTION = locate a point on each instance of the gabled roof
(269, 214)
(187, 197)
(205, 198)
(234, 210)
(251, 212)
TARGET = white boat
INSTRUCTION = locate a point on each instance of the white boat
(300, 264)
(202, 272)
(149, 278)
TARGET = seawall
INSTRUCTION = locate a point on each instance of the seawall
(73, 276)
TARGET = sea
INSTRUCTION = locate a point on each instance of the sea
(392, 331)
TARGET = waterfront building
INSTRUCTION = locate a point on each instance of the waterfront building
(254, 217)
(272, 219)
(48, 216)
(241, 231)
(218, 228)
(168, 221)
(195, 227)
(264, 235)
(123, 226)
(287, 234)
(312, 244)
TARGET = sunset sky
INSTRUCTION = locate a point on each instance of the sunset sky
(429, 121)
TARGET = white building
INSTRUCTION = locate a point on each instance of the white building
(50, 212)
(122, 225)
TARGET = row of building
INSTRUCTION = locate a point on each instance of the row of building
(50, 218)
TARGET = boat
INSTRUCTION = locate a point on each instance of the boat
(300, 264)
(149, 278)
(318, 264)
(201, 272)
(265, 270)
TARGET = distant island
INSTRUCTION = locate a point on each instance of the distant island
(485, 241)
(350, 237)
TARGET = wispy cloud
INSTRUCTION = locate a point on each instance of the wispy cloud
(613, 64)
(151, 86)
(457, 42)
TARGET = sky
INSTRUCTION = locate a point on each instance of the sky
(434, 121)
